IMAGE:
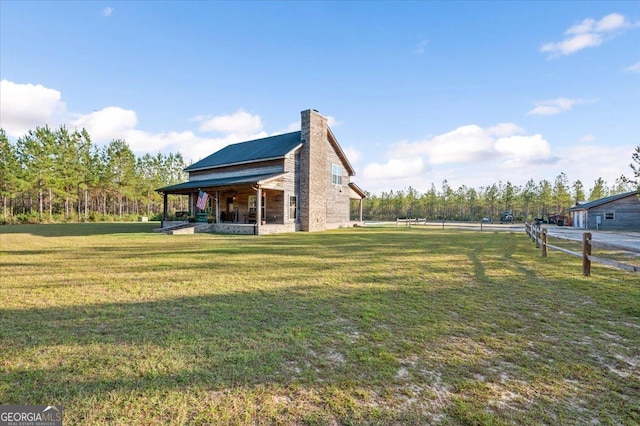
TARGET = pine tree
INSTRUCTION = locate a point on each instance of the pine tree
(599, 190)
(635, 167)
(9, 173)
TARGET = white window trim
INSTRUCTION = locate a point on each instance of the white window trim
(292, 219)
(338, 176)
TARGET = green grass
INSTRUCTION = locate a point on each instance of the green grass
(360, 326)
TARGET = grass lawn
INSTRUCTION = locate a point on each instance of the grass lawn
(120, 325)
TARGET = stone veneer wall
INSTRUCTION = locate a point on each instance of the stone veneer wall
(244, 229)
(313, 172)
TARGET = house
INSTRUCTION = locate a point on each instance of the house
(616, 212)
(298, 181)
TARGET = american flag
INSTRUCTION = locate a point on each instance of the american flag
(202, 200)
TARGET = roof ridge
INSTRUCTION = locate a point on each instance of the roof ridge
(604, 200)
(269, 147)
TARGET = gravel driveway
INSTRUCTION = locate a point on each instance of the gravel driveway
(630, 239)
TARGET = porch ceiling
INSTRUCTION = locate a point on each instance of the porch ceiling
(188, 187)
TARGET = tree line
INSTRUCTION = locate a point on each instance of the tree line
(527, 202)
(61, 175)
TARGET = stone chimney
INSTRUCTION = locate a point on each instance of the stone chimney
(314, 173)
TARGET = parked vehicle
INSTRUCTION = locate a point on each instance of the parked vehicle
(506, 217)
(555, 219)
(487, 220)
(560, 219)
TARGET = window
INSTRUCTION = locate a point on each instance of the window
(252, 203)
(293, 207)
(609, 216)
(336, 174)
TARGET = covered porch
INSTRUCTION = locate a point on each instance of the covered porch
(252, 204)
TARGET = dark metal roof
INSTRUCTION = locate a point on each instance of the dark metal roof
(247, 152)
(187, 187)
(601, 201)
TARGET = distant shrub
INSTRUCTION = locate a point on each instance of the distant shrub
(27, 218)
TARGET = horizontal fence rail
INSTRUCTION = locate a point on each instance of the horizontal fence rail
(540, 237)
(408, 221)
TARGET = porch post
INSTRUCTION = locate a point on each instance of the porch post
(217, 206)
(360, 209)
(259, 207)
(165, 206)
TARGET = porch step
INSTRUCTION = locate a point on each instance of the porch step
(187, 228)
(183, 228)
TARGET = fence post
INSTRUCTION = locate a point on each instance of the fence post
(538, 235)
(544, 242)
(586, 252)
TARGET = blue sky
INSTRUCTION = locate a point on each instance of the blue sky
(416, 92)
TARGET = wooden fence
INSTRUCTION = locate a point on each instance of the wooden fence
(540, 237)
(408, 221)
(417, 221)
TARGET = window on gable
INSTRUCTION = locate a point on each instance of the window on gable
(336, 174)
(609, 216)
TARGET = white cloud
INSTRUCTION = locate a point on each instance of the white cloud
(519, 150)
(106, 12)
(469, 151)
(587, 138)
(505, 129)
(633, 68)
(331, 121)
(612, 22)
(516, 159)
(572, 44)
(554, 106)
(394, 169)
(240, 122)
(24, 107)
(586, 26)
(352, 154)
(190, 145)
(108, 123)
(613, 161)
(117, 123)
(292, 127)
(420, 47)
(464, 144)
(588, 33)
